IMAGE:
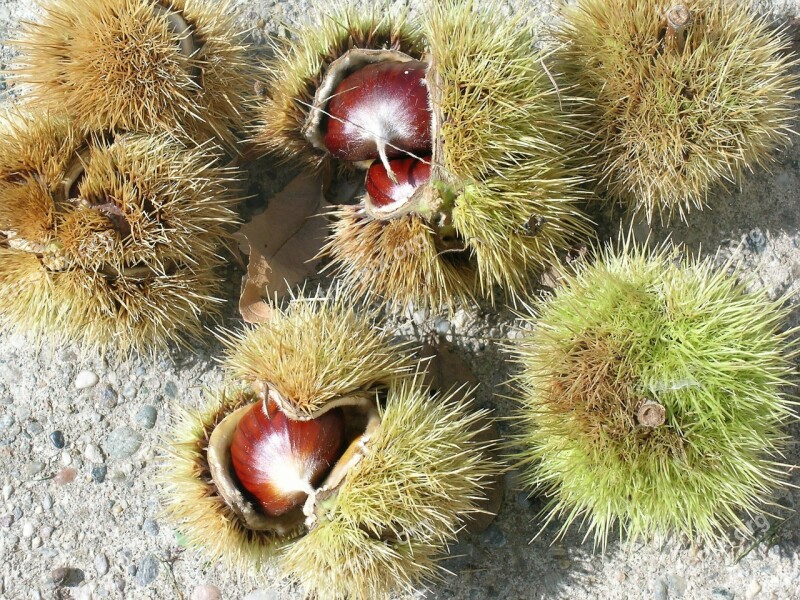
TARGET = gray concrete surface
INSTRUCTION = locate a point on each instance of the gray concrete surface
(101, 535)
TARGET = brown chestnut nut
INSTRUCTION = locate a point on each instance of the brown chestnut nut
(280, 460)
(381, 110)
(409, 173)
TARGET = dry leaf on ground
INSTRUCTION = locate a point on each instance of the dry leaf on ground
(282, 242)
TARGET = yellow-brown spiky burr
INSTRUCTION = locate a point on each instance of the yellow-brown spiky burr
(110, 241)
(468, 188)
(408, 465)
(139, 65)
(681, 96)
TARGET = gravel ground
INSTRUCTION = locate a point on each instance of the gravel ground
(80, 439)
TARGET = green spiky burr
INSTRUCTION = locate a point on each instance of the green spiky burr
(500, 202)
(413, 469)
(652, 397)
(108, 241)
(681, 98)
(137, 65)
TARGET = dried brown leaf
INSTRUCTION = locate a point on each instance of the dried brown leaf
(282, 242)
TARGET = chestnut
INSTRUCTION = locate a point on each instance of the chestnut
(280, 460)
(410, 174)
(381, 110)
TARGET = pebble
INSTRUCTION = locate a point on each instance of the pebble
(66, 458)
(45, 532)
(677, 585)
(57, 437)
(107, 396)
(266, 594)
(150, 527)
(661, 592)
(6, 521)
(171, 389)
(33, 468)
(93, 454)
(99, 473)
(65, 476)
(206, 592)
(27, 530)
(721, 594)
(34, 428)
(47, 502)
(494, 536)
(756, 240)
(753, 590)
(66, 577)
(119, 583)
(524, 500)
(8, 490)
(146, 417)
(86, 379)
(100, 564)
(129, 391)
(147, 570)
(442, 326)
(6, 422)
(122, 442)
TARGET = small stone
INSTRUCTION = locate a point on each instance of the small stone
(171, 389)
(129, 391)
(8, 490)
(66, 577)
(107, 396)
(524, 500)
(93, 454)
(33, 468)
(753, 590)
(119, 583)
(756, 240)
(721, 594)
(99, 473)
(45, 532)
(36, 542)
(661, 591)
(86, 379)
(100, 564)
(66, 458)
(65, 476)
(34, 428)
(6, 521)
(206, 592)
(265, 594)
(122, 443)
(57, 438)
(47, 502)
(150, 527)
(494, 537)
(442, 326)
(676, 585)
(147, 570)
(27, 530)
(6, 422)
(146, 417)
